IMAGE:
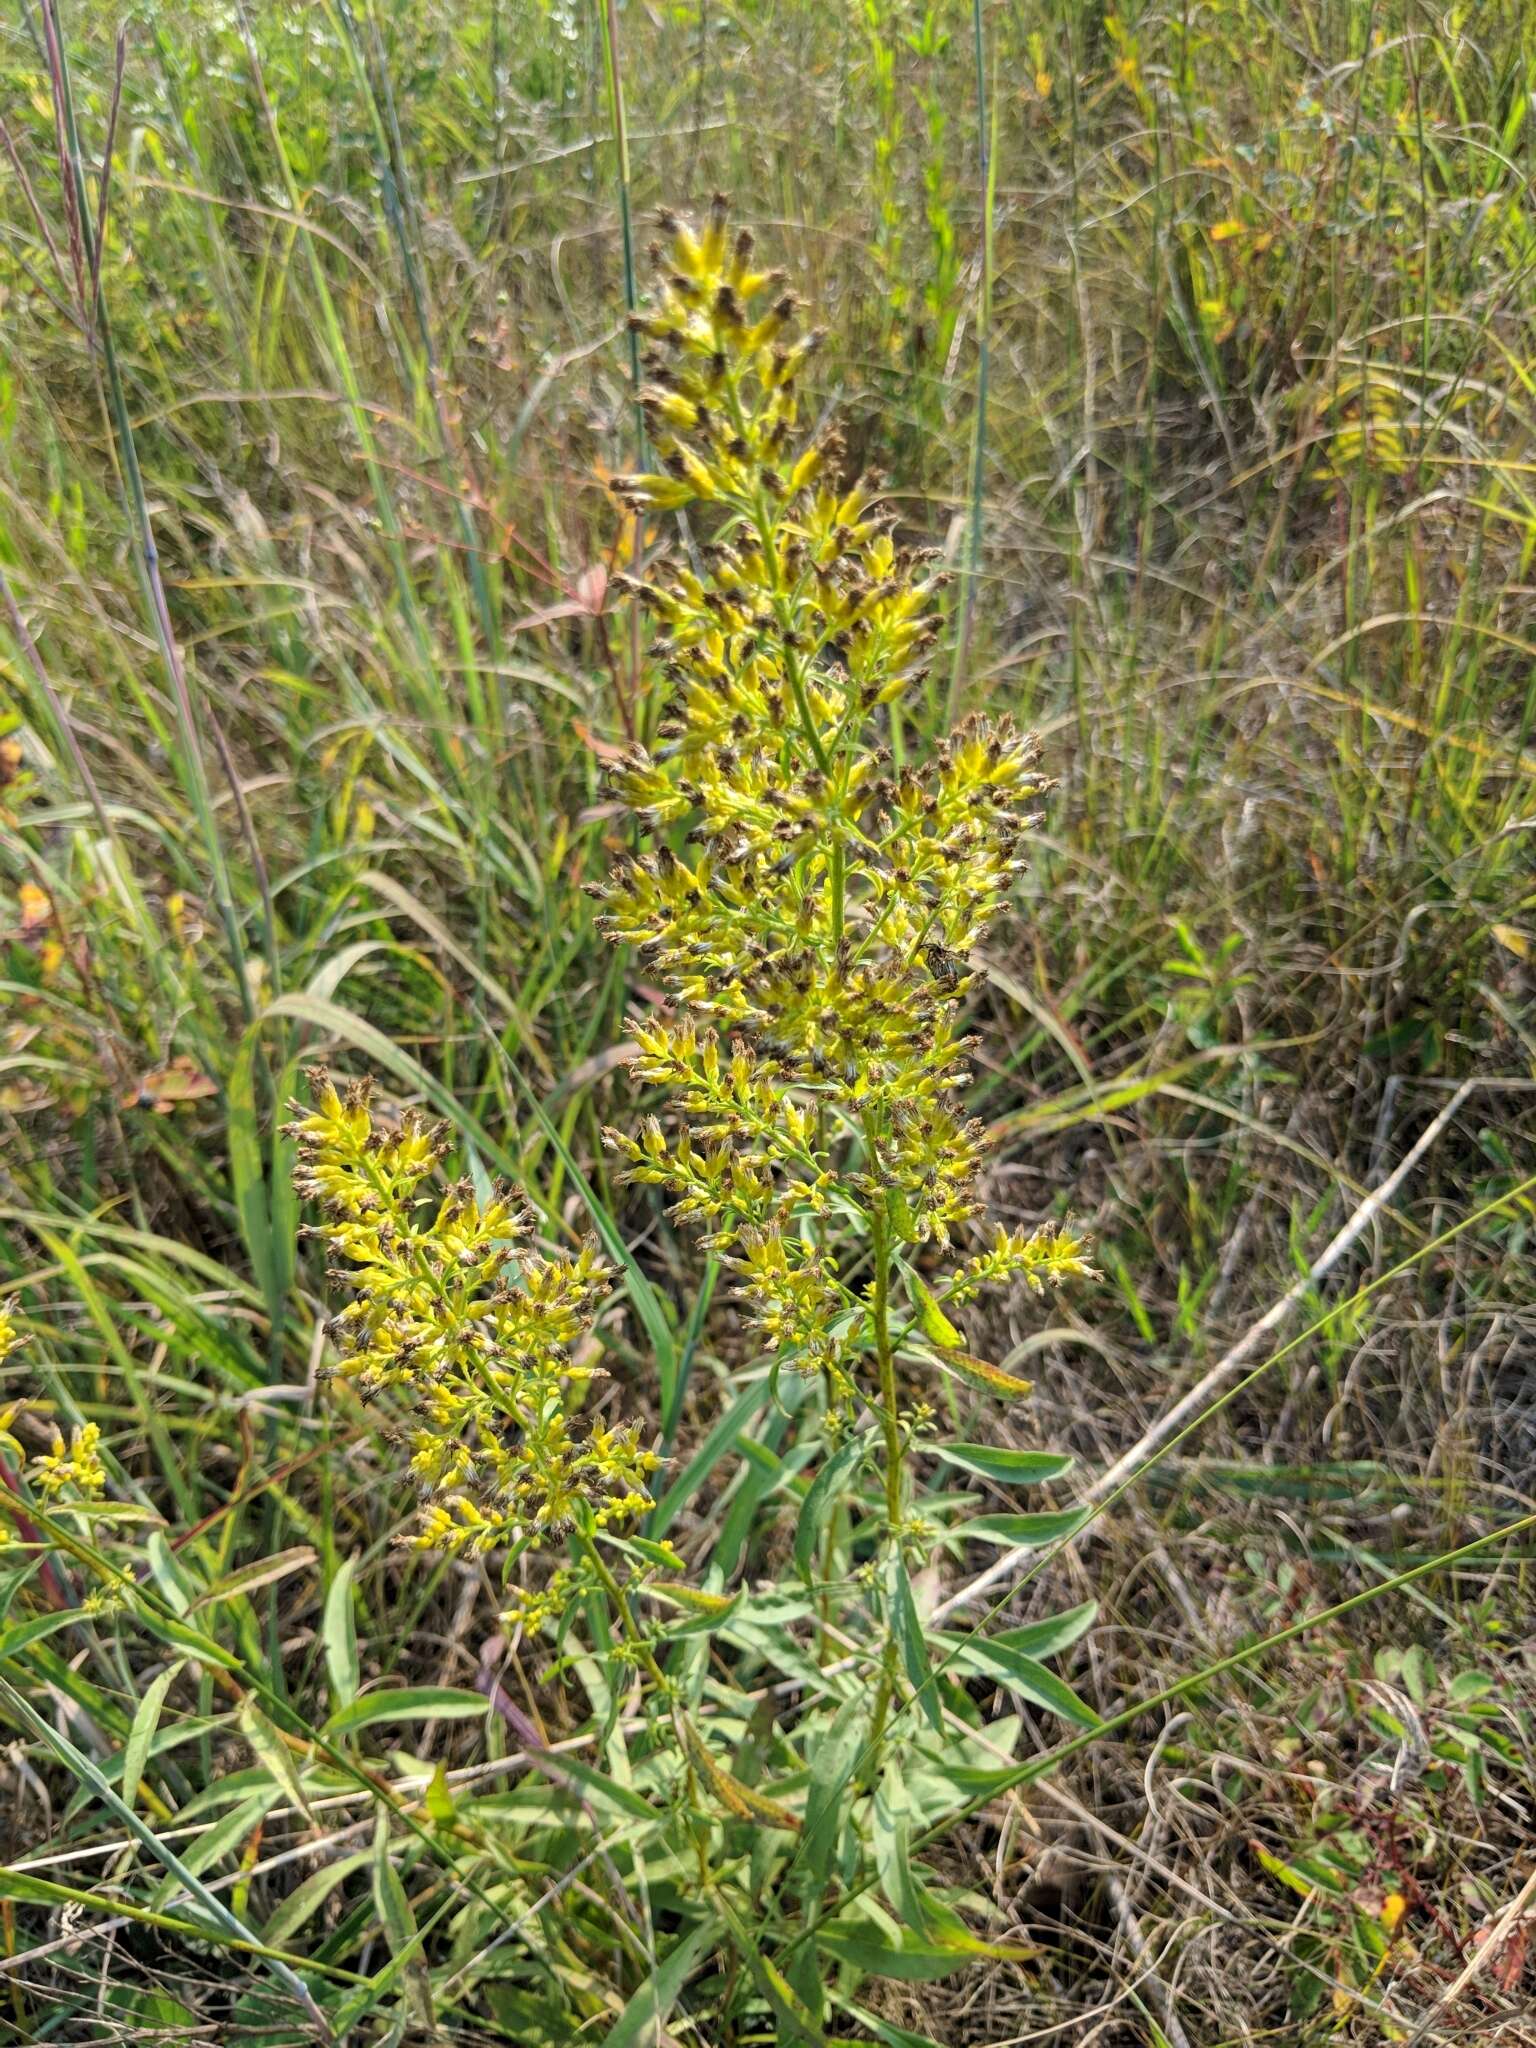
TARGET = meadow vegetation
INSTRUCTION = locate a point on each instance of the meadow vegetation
(560, 1547)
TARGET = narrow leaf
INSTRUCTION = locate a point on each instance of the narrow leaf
(990, 1378)
(146, 1718)
(262, 1571)
(1050, 1637)
(1014, 1468)
(822, 1496)
(832, 1761)
(408, 1703)
(1025, 1676)
(340, 1630)
(642, 2022)
(273, 1754)
(1026, 1532)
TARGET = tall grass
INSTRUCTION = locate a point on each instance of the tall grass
(1202, 343)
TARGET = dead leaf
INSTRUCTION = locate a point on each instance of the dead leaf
(1508, 1966)
(166, 1088)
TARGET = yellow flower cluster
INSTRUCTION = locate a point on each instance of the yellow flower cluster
(476, 1340)
(70, 1472)
(74, 1470)
(810, 904)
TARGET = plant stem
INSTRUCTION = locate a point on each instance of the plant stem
(626, 1613)
(880, 1301)
(614, 79)
(983, 370)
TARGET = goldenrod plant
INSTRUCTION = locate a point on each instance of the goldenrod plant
(1203, 359)
(812, 907)
(809, 893)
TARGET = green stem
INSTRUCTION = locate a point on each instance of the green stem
(625, 1612)
(614, 79)
(880, 1311)
(890, 1423)
(987, 138)
(763, 522)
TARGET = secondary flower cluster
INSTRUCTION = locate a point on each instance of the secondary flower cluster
(810, 905)
(70, 1472)
(474, 1338)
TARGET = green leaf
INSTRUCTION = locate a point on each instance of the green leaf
(892, 1843)
(887, 2031)
(146, 1718)
(931, 1319)
(822, 1496)
(292, 1913)
(261, 1571)
(222, 1839)
(272, 1753)
(1023, 1675)
(1015, 1468)
(407, 1703)
(340, 1631)
(440, 1803)
(1050, 1637)
(910, 1641)
(23, 1633)
(1285, 1872)
(660, 1554)
(247, 1171)
(901, 1952)
(642, 2022)
(165, 1567)
(399, 1924)
(833, 1759)
(602, 1790)
(1025, 1532)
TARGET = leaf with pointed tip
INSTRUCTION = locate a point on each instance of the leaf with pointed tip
(1013, 1468)
(822, 1496)
(340, 1630)
(408, 1703)
(1026, 1532)
(1049, 1637)
(1021, 1674)
(991, 1379)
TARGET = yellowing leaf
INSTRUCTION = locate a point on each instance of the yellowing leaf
(742, 1800)
(1512, 940)
(697, 1598)
(931, 1319)
(990, 1378)
(1226, 230)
